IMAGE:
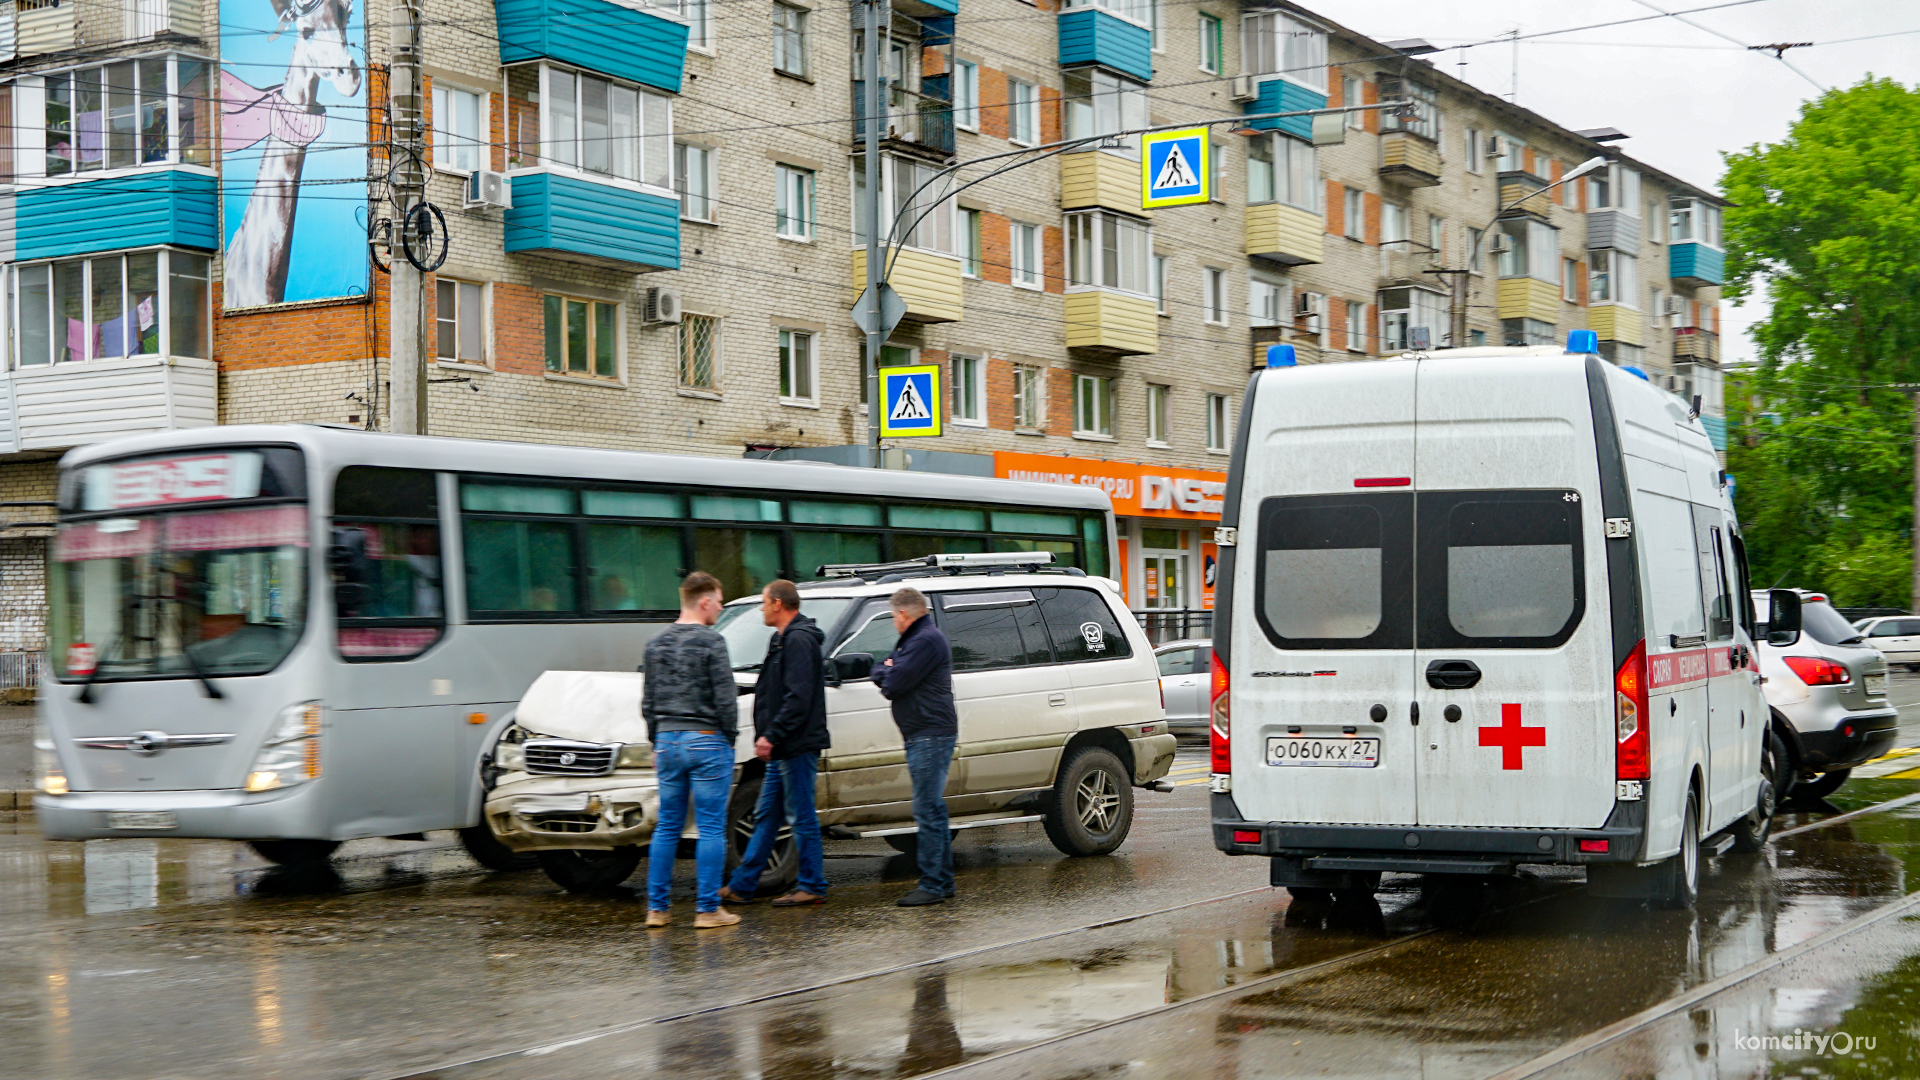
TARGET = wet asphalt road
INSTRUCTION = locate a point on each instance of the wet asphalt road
(155, 958)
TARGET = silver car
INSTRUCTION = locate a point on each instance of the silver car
(1185, 670)
(1830, 686)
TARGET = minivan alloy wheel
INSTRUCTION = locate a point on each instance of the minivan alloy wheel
(1096, 801)
(1090, 810)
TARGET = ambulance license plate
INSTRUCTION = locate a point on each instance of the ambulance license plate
(1876, 686)
(1327, 753)
(142, 819)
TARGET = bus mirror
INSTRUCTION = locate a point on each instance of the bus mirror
(347, 560)
(852, 667)
(1783, 617)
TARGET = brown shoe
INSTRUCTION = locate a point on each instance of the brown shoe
(657, 919)
(707, 920)
(796, 898)
(728, 896)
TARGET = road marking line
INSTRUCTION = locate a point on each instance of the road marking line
(1195, 780)
(1910, 774)
(1890, 804)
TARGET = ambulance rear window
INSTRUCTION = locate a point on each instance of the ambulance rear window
(1336, 571)
(1499, 569)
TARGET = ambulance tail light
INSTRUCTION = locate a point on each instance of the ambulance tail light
(1632, 756)
(1220, 723)
(1815, 671)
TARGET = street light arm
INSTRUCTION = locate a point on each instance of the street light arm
(1575, 173)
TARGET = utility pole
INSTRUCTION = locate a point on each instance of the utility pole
(406, 164)
(875, 14)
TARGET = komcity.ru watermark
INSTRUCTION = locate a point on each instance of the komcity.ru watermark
(1839, 1043)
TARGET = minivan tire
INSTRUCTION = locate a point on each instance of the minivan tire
(783, 866)
(1679, 881)
(1750, 833)
(487, 850)
(1091, 809)
(294, 852)
(588, 870)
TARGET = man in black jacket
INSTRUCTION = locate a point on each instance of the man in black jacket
(918, 679)
(790, 718)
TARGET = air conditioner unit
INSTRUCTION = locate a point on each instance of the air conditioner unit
(1243, 88)
(1496, 146)
(663, 305)
(1676, 305)
(488, 189)
(1306, 303)
(1502, 243)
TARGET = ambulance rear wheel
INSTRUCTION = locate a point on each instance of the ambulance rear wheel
(1679, 877)
(1750, 834)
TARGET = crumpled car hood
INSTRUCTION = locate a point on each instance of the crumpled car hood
(596, 706)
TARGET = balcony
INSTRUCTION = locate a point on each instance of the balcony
(917, 123)
(577, 218)
(139, 208)
(1111, 324)
(1285, 234)
(1613, 322)
(1409, 160)
(1521, 191)
(1276, 94)
(928, 282)
(1694, 266)
(1100, 179)
(1693, 343)
(56, 406)
(151, 18)
(596, 35)
(1091, 36)
(45, 26)
(1615, 229)
(1530, 298)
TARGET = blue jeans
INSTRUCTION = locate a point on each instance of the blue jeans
(696, 765)
(928, 758)
(786, 795)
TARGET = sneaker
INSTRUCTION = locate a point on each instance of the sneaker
(920, 898)
(657, 919)
(707, 920)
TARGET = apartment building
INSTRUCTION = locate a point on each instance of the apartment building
(654, 243)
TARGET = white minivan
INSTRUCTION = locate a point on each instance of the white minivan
(1480, 608)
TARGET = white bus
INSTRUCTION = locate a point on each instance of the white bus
(299, 635)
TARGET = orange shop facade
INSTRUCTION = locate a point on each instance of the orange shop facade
(1165, 516)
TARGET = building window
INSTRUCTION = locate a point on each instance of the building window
(1216, 298)
(1024, 254)
(693, 177)
(1513, 153)
(137, 303)
(1153, 24)
(1350, 94)
(1436, 233)
(460, 321)
(1107, 251)
(699, 23)
(1210, 43)
(1284, 170)
(1217, 157)
(1217, 421)
(790, 40)
(1424, 102)
(1278, 43)
(582, 336)
(1137, 11)
(1472, 149)
(152, 111)
(915, 192)
(1694, 221)
(1263, 302)
(1100, 103)
(1615, 187)
(1393, 223)
(1476, 338)
(1657, 308)
(1093, 405)
(1611, 277)
(1532, 250)
(1156, 414)
(1309, 313)
(1476, 243)
(1023, 112)
(1029, 398)
(1355, 215)
(608, 128)
(969, 390)
(700, 352)
(1357, 333)
(1409, 316)
(459, 129)
(1160, 284)
(1526, 332)
(797, 368)
(966, 95)
(793, 203)
(972, 255)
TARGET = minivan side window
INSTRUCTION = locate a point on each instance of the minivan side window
(1500, 569)
(873, 632)
(1082, 626)
(998, 629)
(1336, 572)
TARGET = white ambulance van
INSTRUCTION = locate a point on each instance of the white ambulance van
(1480, 608)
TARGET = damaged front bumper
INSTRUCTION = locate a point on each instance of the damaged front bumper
(538, 813)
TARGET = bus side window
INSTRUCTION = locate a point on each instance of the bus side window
(386, 562)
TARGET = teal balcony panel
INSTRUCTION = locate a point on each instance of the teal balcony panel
(140, 209)
(929, 9)
(1091, 36)
(569, 217)
(1694, 265)
(595, 35)
(1281, 95)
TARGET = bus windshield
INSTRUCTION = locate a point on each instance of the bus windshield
(180, 593)
(747, 633)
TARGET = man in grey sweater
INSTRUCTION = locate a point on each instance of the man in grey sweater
(692, 709)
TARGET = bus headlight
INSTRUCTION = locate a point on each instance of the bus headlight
(52, 779)
(292, 753)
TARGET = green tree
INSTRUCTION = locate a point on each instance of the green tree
(1825, 225)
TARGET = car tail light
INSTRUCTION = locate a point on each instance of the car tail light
(1815, 671)
(1220, 728)
(1245, 836)
(1163, 696)
(1631, 754)
(1593, 847)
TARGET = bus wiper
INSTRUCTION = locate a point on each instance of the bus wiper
(85, 696)
(206, 684)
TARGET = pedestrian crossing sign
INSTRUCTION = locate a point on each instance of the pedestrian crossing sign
(1177, 169)
(910, 400)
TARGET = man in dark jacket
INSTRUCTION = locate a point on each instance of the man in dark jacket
(790, 718)
(918, 679)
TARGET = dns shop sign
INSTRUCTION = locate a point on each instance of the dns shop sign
(1136, 490)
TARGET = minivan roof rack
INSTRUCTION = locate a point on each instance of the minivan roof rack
(943, 565)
